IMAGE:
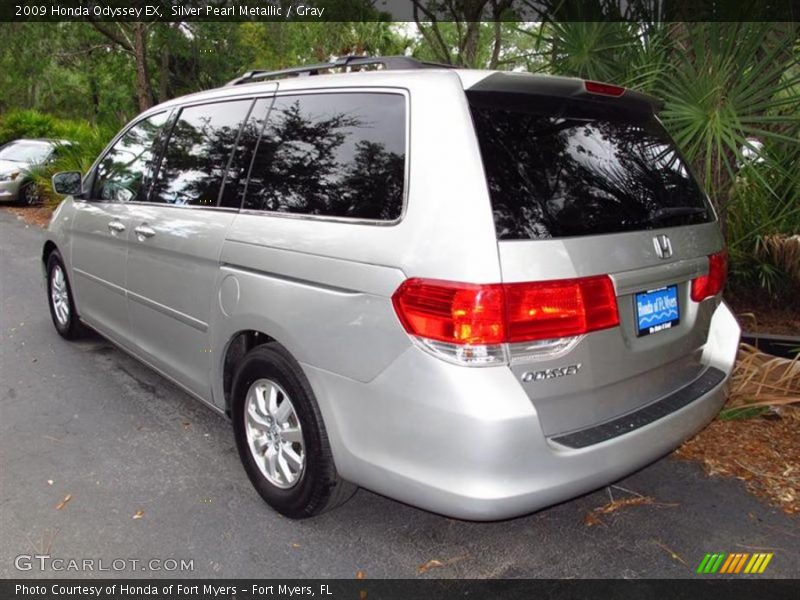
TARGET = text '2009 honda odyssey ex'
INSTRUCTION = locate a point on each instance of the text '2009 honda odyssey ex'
(476, 292)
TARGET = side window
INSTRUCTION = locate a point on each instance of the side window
(340, 155)
(122, 174)
(197, 154)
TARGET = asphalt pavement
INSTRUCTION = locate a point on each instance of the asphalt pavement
(150, 473)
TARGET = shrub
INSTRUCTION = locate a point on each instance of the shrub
(762, 227)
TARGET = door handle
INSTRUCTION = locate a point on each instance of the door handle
(116, 227)
(144, 231)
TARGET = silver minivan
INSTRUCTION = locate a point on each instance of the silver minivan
(477, 292)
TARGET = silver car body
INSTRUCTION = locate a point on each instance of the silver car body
(175, 286)
(13, 173)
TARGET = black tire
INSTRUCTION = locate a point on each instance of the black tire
(318, 487)
(29, 194)
(70, 328)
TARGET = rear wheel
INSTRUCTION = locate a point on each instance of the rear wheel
(281, 438)
(60, 299)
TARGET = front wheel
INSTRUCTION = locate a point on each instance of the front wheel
(281, 438)
(29, 194)
(59, 296)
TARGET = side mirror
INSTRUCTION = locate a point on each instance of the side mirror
(67, 183)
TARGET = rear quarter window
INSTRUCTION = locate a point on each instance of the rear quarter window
(332, 155)
(574, 169)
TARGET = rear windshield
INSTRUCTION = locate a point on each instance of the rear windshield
(561, 168)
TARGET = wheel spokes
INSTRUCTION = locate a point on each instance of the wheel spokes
(274, 434)
(59, 295)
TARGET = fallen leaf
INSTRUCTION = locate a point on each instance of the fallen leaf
(591, 519)
(187, 425)
(360, 575)
(138, 514)
(63, 503)
(295, 545)
(674, 555)
(431, 564)
(615, 505)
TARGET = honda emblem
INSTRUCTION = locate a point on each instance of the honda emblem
(663, 246)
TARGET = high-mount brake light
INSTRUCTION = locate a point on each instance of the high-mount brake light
(473, 324)
(711, 284)
(605, 89)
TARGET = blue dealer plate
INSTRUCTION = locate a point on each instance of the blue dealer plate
(657, 310)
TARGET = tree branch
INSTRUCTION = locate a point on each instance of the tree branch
(436, 42)
(114, 36)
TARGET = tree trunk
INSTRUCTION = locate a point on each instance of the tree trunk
(163, 83)
(144, 92)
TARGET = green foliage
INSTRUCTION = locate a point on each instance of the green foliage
(26, 124)
(280, 45)
(741, 413)
(765, 200)
(728, 82)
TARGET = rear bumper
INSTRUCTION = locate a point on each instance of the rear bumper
(467, 442)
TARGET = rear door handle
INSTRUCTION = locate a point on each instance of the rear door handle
(116, 227)
(144, 231)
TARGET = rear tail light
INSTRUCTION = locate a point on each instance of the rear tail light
(605, 89)
(559, 309)
(710, 285)
(473, 324)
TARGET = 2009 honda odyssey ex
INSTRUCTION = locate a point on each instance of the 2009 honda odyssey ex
(476, 292)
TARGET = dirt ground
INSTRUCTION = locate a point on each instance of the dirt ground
(762, 451)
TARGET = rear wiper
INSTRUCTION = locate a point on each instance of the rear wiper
(662, 214)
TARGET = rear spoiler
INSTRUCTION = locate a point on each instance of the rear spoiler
(567, 87)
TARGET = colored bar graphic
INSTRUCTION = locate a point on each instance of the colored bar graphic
(767, 558)
(740, 564)
(703, 563)
(754, 563)
(731, 564)
(727, 564)
(717, 562)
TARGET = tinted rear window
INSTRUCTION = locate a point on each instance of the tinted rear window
(561, 169)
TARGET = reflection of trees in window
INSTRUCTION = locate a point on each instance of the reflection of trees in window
(122, 171)
(197, 154)
(236, 178)
(330, 155)
(554, 177)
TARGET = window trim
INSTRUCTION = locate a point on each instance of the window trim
(397, 91)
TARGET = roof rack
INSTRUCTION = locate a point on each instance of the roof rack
(389, 63)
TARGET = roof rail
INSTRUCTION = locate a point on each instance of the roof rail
(389, 63)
